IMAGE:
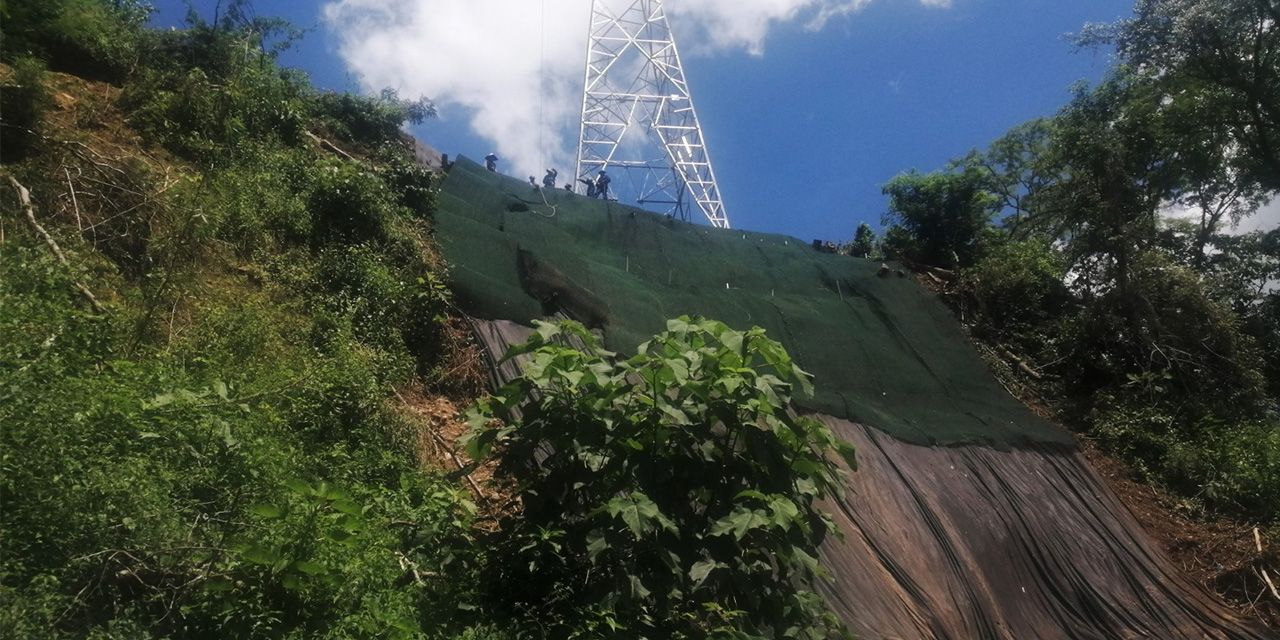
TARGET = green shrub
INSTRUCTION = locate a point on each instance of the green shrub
(1197, 337)
(1226, 465)
(97, 39)
(203, 117)
(349, 205)
(409, 180)
(369, 122)
(669, 495)
(1016, 290)
(24, 100)
(258, 204)
(217, 456)
(176, 494)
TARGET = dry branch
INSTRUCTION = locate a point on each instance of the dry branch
(75, 204)
(1274, 592)
(1262, 573)
(329, 146)
(84, 151)
(1022, 364)
(24, 196)
(444, 448)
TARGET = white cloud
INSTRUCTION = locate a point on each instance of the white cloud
(1265, 219)
(488, 61)
(717, 25)
(514, 67)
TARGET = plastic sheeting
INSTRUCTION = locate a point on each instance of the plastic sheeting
(883, 351)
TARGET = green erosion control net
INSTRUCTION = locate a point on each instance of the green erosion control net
(883, 351)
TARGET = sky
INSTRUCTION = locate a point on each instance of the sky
(807, 106)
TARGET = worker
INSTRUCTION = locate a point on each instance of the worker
(602, 186)
(568, 186)
(591, 187)
(491, 162)
(549, 180)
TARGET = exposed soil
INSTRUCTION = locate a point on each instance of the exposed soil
(1220, 555)
(439, 426)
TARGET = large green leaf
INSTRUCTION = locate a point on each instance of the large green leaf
(310, 568)
(700, 570)
(784, 511)
(739, 523)
(269, 511)
(259, 554)
(639, 513)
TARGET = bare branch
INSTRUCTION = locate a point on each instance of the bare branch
(24, 196)
(329, 146)
(74, 203)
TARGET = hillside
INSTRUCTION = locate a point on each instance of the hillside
(956, 524)
(240, 319)
(221, 339)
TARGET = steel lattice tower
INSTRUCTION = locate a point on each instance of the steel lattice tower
(638, 117)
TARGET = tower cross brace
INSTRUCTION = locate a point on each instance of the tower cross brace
(638, 116)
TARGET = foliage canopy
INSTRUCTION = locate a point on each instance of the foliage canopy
(1110, 271)
(216, 454)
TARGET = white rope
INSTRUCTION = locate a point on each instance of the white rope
(542, 83)
(543, 193)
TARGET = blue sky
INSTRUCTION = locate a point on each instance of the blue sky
(803, 123)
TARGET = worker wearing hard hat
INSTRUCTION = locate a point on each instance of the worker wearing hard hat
(602, 186)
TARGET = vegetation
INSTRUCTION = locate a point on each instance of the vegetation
(198, 386)
(669, 495)
(211, 450)
(90, 38)
(1095, 249)
(222, 280)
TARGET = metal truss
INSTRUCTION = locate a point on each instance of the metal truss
(637, 115)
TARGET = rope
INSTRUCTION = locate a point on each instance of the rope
(542, 83)
(542, 109)
(543, 193)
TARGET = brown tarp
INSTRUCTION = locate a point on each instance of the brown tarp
(969, 542)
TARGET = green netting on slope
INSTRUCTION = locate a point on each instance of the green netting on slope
(883, 351)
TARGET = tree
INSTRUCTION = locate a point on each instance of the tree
(1115, 276)
(1230, 51)
(1018, 168)
(1118, 174)
(939, 215)
(1246, 268)
(671, 495)
(864, 242)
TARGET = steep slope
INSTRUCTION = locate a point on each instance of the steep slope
(213, 370)
(883, 351)
(1008, 533)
